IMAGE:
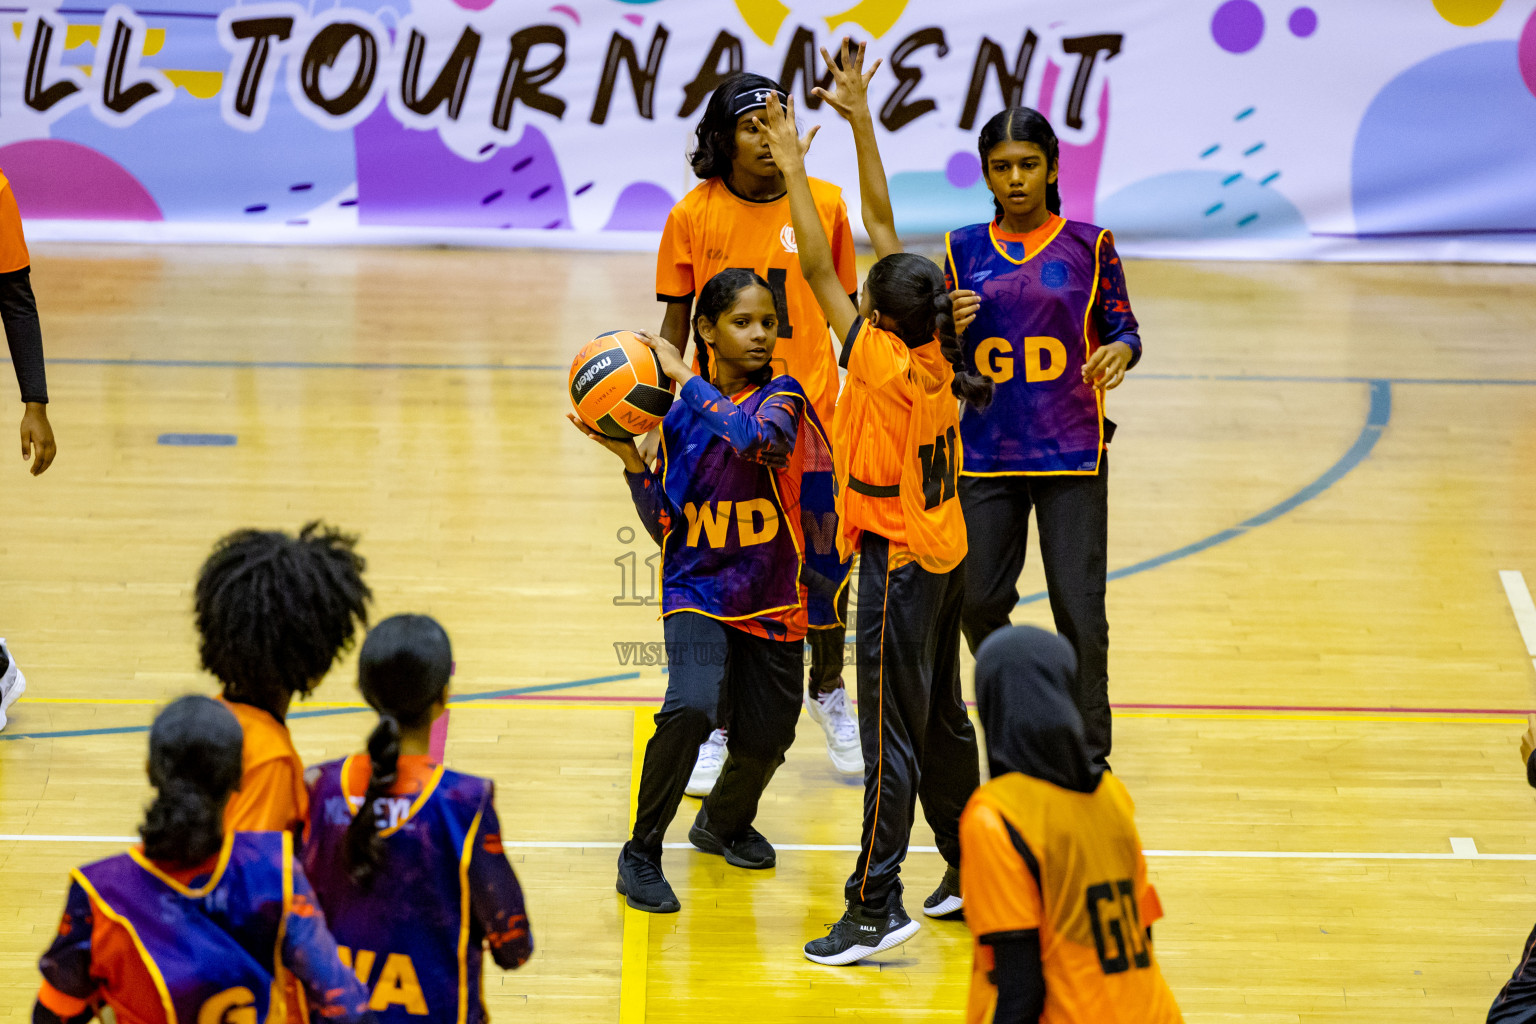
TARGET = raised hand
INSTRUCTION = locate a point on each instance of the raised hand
(850, 97)
(784, 140)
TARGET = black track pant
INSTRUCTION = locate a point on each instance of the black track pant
(1516, 1002)
(827, 653)
(760, 681)
(918, 740)
(1072, 513)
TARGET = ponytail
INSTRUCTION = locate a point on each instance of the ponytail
(972, 387)
(402, 670)
(363, 848)
(194, 764)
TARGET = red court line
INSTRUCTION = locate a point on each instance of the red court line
(1127, 707)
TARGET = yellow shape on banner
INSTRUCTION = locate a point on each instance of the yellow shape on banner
(205, 85)
(763, 17)
(1467, 12)
(875, 16)
(79, 35)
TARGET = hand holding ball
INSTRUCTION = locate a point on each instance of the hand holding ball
(618, 387)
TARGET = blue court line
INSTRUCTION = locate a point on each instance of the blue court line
(516, 691)
(1375, 422)
(237, 364)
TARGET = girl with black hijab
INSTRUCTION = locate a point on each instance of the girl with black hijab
(1056, 890)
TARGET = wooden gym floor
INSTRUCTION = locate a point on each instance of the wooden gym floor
(1320, 474)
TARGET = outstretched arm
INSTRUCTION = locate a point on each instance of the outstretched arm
(851, 100)
(816, 263)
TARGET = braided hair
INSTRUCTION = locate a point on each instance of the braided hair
(275, 611)
(402, 670)
(715, 300)
(195, 747)
(1022, 124)
(909, 289)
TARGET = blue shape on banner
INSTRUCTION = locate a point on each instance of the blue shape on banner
(925, 203)
(640, 207)
(198, 440)
(1448, 146)
(1197, 205)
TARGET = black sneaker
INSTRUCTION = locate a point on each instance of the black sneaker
(642, 883)
(750, 850)
(863, 931)
(945, 904)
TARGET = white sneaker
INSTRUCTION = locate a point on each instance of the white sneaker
(707, 768)
(832, 713)
(12, 683)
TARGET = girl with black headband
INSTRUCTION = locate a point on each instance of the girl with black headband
(739, 218)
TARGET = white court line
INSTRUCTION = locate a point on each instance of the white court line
(1524, 608)
(539, 844)
(1463, 846)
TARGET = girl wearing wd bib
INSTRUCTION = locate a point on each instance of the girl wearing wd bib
(405, 855)
(197, 924)
(744, 474)
(897, 443)
(1044, 309)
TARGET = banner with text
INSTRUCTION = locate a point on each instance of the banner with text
(1244, 128)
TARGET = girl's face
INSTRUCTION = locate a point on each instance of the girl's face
(752, 155)
(1017, 173)
(743, 336)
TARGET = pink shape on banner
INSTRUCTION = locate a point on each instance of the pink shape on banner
(563, 9)
(474, 5)
(1077, 176)
(1527, 54)
(634, 19)
(640, 207)
(1237, 26)
(439, 744)
(57, 180)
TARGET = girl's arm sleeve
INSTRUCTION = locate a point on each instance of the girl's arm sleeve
(495, 897)
(645, 489)
(23, 334)
(309, 953)
(767, 435)
(1112, 314)
(1020, 978)
(67, 988)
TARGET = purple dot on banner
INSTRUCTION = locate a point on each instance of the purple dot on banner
(963, 170)
(1303, 22)
(1527, 54)
(1237, 26)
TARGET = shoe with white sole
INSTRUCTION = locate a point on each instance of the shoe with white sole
(863, 932)
(12, 683)
(707, 768)
(832, 712)
(945, 903)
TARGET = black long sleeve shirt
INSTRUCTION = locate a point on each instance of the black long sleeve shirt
(23, 333)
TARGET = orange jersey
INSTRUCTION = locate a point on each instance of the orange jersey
(713, 229)
(1035, 856)
(13, 244)
(896, 444)
(272, 796)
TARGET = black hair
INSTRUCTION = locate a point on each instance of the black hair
(715, 147)
(275, 611)
(194, 764)
(403, 669)
(909, 289)
(715, 300)
(1022, 124)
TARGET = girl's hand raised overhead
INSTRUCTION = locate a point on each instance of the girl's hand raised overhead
(784, 141)
(851, 95)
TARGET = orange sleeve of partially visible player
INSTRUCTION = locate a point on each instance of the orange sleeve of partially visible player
(271, 798)
(872, 356)
(13, 244)
(674, 259)
(1001, 894)
(843, 259)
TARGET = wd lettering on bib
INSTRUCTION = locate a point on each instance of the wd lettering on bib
(757, 522)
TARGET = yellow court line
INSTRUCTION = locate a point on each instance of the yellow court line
(634, 965)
